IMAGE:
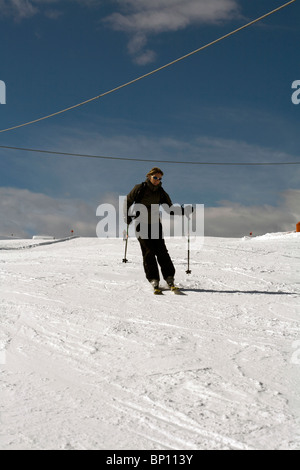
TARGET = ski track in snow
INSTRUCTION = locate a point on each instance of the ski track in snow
(91, 359)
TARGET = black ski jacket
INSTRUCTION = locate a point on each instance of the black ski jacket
(147, 194)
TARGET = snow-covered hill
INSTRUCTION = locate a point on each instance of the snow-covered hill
(91, 359)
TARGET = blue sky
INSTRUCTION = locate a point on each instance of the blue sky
(229, 103)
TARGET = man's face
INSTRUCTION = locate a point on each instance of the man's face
(156, 179)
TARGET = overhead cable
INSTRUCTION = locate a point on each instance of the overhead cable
(131, 82)
(173, 162)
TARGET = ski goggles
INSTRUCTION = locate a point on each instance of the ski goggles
(156, 178)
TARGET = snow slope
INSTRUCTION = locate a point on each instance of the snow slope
(91, 359)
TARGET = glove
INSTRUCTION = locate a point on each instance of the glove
(187, 210)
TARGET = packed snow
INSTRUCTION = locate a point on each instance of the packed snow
(91, 359)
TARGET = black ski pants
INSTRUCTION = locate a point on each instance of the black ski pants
(155, 253)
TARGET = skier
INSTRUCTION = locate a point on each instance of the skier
(149, 231)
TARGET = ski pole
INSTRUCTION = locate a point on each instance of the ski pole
(188, 271)
(126, 243)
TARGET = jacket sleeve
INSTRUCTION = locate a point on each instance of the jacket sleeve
(176, 210)
(129, 200)
(132, 195)
(165, 198)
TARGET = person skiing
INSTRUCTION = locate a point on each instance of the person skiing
(150, 194)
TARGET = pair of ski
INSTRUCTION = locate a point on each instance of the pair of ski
(175, 290)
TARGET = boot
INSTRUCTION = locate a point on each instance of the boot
(155, 283)
(170, 281)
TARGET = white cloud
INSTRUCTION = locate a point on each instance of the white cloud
(247, 185)
(24, 213)
(160, 16)
(253, 198)
(141, 18)
(19, 9)
(236, 220)
(22, 9)
(146, 57)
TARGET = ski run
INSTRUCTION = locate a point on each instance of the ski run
(91, 359)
